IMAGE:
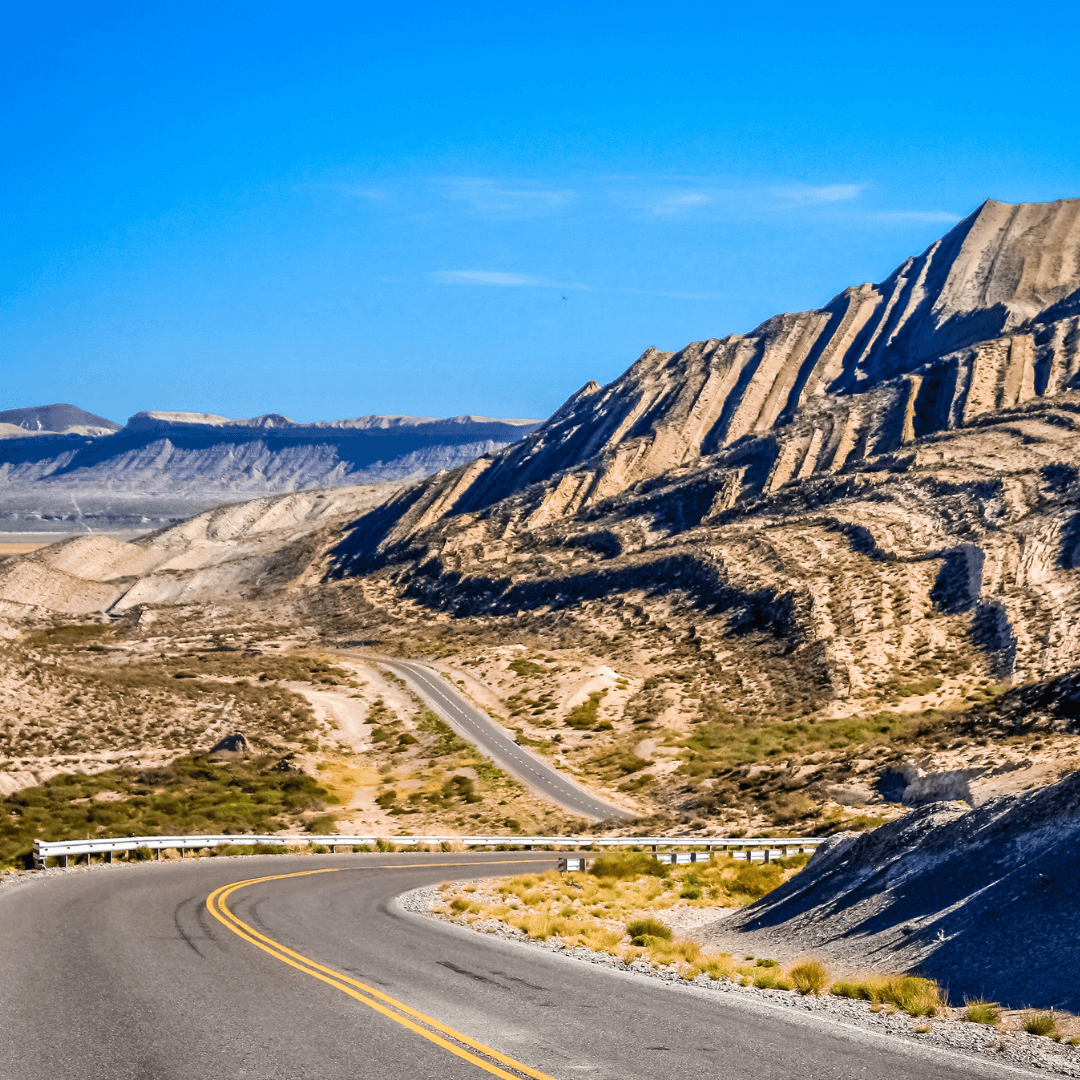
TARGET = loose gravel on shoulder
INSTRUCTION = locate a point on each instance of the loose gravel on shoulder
(1013, 1048)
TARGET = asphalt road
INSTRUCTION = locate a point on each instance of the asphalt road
(490, 737)
(123, 973)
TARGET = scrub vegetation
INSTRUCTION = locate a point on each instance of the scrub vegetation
(629, 904)
(190, 795)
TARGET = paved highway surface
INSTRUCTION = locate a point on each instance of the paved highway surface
(124, 973)
(491, 737)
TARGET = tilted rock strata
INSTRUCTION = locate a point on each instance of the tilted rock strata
(889, 483)
(978, 899)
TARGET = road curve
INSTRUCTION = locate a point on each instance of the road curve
(490, 737)
(123, 973)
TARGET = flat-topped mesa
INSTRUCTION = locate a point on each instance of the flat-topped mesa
(984, 319)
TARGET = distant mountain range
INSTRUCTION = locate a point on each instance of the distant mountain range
(53, 420)
(63, 469)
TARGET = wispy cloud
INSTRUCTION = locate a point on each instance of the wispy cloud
(943, 216)
(813, 194)
(504, 199)
(497, 277)
(678, 201)
(674, 198)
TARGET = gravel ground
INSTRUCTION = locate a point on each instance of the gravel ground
(1014, 1048)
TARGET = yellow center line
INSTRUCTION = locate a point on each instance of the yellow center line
(215, 904)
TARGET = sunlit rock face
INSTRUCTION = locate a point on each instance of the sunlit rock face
(886, 484)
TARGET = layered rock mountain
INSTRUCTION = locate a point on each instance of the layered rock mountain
(986, 318)
(161, 467)
(839, 503)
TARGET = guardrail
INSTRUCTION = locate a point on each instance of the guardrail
(746, 847)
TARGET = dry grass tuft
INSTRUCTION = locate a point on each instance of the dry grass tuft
(982, 1012)
(809, 977)
(1042, 1024)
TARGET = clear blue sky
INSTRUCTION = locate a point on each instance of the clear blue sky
(330, 209)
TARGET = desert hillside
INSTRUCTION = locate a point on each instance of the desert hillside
(799, 577)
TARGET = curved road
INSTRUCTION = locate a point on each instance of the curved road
(124, 973)
(490, 737)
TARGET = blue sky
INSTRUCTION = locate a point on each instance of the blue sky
(329, 209)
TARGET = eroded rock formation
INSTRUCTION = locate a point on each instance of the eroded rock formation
(886, 485)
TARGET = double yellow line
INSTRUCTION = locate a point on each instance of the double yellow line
(400, 1013)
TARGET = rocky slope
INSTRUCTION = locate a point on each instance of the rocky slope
(163, 467)
(980, 900)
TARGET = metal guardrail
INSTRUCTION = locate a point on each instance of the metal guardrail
(108, 846)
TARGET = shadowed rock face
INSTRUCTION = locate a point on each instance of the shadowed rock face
(982, 900)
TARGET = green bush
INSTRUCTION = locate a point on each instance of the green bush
(526, 667)
(624, 866)
(322, 825)
(982, 1012)
(772, 979)
(916, 996)
(584, 716)
(644, 932)
(755, 880)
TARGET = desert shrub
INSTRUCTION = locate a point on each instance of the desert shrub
(524, 667)
(772, 979)
(628, 865)
(190, 796)
(982, 1012)
(323, 825)
(584, 716)
(447, 743)
(638, 782)
(716, 967)
(462, 787)
(916, 996)
(809, 977)
(754, 881)
(386, 799)
(1042, 1024)
(644, 931)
